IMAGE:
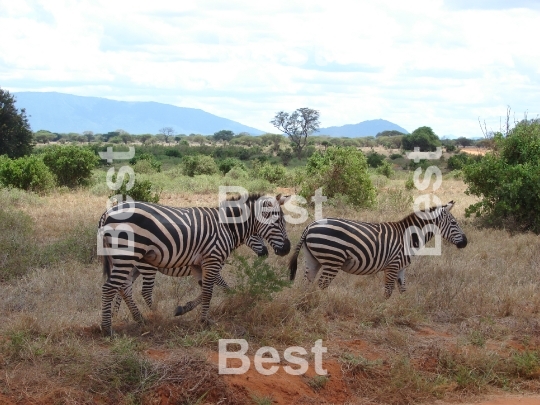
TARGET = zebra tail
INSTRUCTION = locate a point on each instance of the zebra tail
(293, 263)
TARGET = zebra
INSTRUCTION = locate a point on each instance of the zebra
(255, 242)
(151, 236)
(361, 248)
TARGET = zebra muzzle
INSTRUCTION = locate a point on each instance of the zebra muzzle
(284, 250)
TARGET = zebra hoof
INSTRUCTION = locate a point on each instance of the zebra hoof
(179, 311)
(107, 332)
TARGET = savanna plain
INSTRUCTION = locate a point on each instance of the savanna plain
(466, 329)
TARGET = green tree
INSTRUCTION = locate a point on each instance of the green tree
(223, 135)
(507, 179)
(298, 126)
(389, 133)
(16, 138)
(199, 164)
(340, 171)
(422, 137)
(72, 165)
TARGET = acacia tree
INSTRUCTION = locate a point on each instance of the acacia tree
(168, 133)
(16, 138)
(298, 126)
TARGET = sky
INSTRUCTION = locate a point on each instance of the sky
(442, 64)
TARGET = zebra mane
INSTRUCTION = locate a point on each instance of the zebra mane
(251, 197)
(430, 209)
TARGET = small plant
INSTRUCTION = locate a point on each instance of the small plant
(409, 183)
(261, 400)
(375, 159)
(386, 169)
(477, 338)
(272, 173)
(395, 156)
(527, 364)
(258, 279)
(226, 165)
(318, 382)
(142, 190)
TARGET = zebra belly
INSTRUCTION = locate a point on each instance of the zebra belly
(355, 266)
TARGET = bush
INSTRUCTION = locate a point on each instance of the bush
(144, 167)
(142, 190)
(227, 164)
(508, 179)
(457, 162)
(237, 173)
(199, 164)
(156, 165)
(258, 279)
(386, 169)
(27, 173)
(269, 172)
(72, 165)
(339, 170)
(395, 156)
(375, 159)
(422, 137)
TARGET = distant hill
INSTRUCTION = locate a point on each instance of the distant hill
(364, 128)
(64, 113)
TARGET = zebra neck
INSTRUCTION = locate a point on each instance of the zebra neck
(239, 230)
(420, 221)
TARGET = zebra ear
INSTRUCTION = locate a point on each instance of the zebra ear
(450, 205)
(282, 199)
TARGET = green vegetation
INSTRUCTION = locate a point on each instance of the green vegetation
(340, 172)
(26, 173)
(508, 179)
(71, 165)
(16, 138)
(422, 137)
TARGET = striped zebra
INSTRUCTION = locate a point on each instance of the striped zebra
(150, 237)
(255, 242)
(360, 248)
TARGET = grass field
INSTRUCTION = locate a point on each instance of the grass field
(467, 326)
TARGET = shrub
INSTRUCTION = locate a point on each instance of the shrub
(72, 165)
(237, 173)
(227, 164)
(422, 137)
(199, 164)
(508, 179)
(258, 279)
(409, 183)
(386, 169)
(144, 167)
(27, 173)
(156, 165)
(457, 162)
(142, 190)
(269, 172)
(394, 156)
(375, 159)
(339, 170)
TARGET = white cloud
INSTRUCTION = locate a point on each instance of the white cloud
(441, 64)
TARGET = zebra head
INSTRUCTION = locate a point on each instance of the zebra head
(270, 223)
(449, 228)
(256, 243)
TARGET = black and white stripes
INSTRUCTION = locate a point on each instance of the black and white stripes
(334, 244)
(150, 236)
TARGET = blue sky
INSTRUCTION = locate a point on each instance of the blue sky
(443, 64)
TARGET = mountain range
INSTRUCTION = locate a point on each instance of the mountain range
(364, 128)
(65, 113)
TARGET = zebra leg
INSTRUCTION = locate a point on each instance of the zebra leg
(117, 281)
(312, 265)
(149, 277)
(390, 276)
(401, 281)
(210, 270)
(128, 287)
(328, 274)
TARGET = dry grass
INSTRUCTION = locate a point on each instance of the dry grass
(468, 323)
